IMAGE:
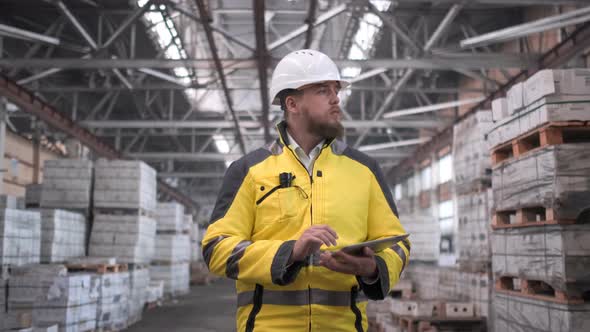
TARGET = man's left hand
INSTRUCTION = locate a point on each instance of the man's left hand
(362, 266)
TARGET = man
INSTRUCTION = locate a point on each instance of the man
(285, 209)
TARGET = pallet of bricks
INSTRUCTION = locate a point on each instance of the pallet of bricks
(173, 250)
(123, 232)
(541, 186)
(444, 298)
(472, 182)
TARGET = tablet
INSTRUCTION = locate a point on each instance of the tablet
(376, 245)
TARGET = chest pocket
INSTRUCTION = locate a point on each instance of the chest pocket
(276, 205)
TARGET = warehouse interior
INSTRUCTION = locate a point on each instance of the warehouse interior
(119, 119)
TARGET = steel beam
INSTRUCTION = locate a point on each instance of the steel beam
(310, 21)
(227, 124)
(434, 38)
(165, 86)
(10, 31)
(391, 23)
(217, 29)
(126, 24)
(431, 108)
(205, 20)
(221, 157)
(442, 62)
(548, 23)
(74, 21)
(325, 17)
(395, 144)
(30, 103)
(263, 61)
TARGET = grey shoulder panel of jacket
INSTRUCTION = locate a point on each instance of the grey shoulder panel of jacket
(234, 176)
(372, 165)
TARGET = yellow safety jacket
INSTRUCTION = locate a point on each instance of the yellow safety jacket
(255, 224)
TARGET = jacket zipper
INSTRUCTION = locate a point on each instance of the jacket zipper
(310, 210)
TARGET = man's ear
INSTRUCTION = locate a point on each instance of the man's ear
(291, 103)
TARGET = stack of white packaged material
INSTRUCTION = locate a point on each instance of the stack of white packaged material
(172, 248)
(8, 202)
(155, 291)
(474, 215)
(425, 236)
(129, 238)
(170, 217)
(471, 158)
(195, 246)
(112, 309)
(3, 281)
(54, 296)
(176, 277)
(126, 184)
(139, 278)
(20, 237)
(67, 184)
(63, 235)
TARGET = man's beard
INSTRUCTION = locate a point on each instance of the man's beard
(325, 130)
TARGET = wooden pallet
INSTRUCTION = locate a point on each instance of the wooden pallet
(526, 217)
(535, 289)
(97, 268)
(552, 133)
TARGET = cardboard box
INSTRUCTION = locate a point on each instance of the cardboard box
(557, 81)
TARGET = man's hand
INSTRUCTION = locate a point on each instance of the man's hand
(339, 261)
(311, 240)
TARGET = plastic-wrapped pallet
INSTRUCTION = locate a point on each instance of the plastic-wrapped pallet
(3, 281)
(155, 291)
(547, 109)
(195, 245)
(425, 237)
(20, 237)
(33, 195)
(172, 248)
(557, 255)
(473, 213)
(515, 313)
(126, 184)
(67, 184)
(129, 238)
(139, 280)
(112, 309)
(8, 202)
(471, 159)
(54, 296)
(175, 276)
(63, 235)
(555, 177)
(170, 217)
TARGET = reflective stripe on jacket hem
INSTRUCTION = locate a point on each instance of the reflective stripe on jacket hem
(302, 297)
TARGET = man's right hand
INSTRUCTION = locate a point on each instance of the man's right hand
(311, 240)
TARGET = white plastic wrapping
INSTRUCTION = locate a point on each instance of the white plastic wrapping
(20, 237)
(63, 235)
(471, 159)
(112, 310)
(474, 215)
(176, 277)
(124, 184)
(555, 254)
(425, 236)
(556, 177)
(515, 313)
(173, 248)
(129, 238)
(54, 296)
(170, 217)
(67, 183)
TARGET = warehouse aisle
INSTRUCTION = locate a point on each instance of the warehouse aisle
(205, 309)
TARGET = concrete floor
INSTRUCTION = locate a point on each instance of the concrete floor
(205, 309)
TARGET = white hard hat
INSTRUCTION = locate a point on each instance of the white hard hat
(300, 68)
